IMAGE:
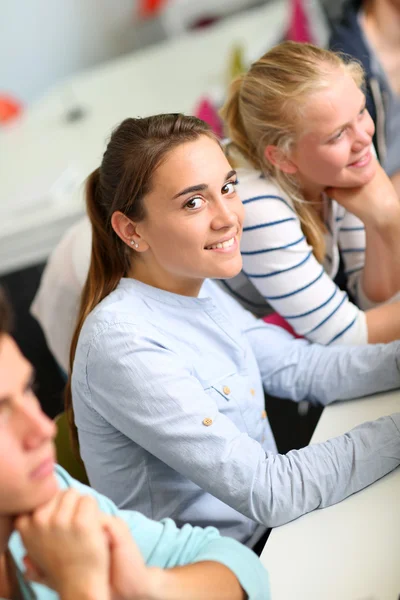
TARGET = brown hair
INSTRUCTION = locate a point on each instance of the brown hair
(264, 107)
(5, 313)
(136, 149)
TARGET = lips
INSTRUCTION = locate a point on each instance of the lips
(362, 161)
(223, 244)
(45, 468)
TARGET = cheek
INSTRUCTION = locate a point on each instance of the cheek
(11, 482)
(32, 494)
(370, 126)
(240, 211)
(335, 158)
(19, 493)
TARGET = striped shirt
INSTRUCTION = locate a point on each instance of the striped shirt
(281, 274)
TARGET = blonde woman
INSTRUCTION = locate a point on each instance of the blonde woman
(314, 195)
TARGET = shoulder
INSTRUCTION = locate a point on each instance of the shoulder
(252, 183)
(263, 197)
(121, 315)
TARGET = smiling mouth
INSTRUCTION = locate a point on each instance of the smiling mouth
(363, 161)
(226, 244)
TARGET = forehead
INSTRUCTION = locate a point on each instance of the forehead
(191, 163)
(14, 368)
(332, 107)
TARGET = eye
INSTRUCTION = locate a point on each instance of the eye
(31, 387)
(5, 411)
(194, 203)
(337, 137)
(230, 187)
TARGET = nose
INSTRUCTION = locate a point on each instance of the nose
(224, 214)
(364, 132)
(37, 427)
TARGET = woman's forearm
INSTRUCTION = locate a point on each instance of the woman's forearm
(381, 274)
(377, 205)
(201, 581)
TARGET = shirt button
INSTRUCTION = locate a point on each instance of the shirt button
(226, 390)
(263, 414)
(253, 392)
(263, 439)
(207, 421)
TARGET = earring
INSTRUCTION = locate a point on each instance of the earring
(135, 244)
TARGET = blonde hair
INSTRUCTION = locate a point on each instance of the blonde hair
(264, 107)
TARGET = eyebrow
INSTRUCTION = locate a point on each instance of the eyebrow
(28, 380)
(200, 187)
(363, 105)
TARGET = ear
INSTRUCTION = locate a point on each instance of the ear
(279, 159)
(126, 229)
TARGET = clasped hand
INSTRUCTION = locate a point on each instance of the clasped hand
(80, 552)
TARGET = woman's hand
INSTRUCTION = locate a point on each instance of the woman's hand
(376, 203)
(67, 547)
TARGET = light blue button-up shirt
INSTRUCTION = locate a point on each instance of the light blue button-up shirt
(169, 403)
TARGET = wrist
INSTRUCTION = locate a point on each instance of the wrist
(84, 589)
(385, 219)
(161, 585)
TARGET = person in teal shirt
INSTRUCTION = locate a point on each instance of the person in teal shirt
(61, 539)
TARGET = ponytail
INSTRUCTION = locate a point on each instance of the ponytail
(239, 146)
(108, 263)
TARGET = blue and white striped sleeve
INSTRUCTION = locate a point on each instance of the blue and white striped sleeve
(280, 263)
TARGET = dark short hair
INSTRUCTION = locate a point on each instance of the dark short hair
(5, 313)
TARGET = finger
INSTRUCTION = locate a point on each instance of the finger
(118, 531)
(87, 513)
(44, 513)
(65, 509)
(22, 522)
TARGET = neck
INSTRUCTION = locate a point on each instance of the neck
(6, 529)
(311, 192)
(163, 281)
(382, 23)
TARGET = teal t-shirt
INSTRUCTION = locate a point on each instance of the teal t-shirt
(164, 545)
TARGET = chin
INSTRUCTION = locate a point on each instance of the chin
(42, 493)
(361, 178)
(229, 273)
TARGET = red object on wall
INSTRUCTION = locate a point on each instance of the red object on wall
(148, 8)
(299, 27)
(9, 108)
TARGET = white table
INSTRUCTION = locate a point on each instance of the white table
(44, 159)
(350, 551)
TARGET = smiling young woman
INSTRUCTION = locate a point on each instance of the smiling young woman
(203, 219)
(168, 371)
(314, 196)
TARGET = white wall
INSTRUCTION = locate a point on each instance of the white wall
(42, 41)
